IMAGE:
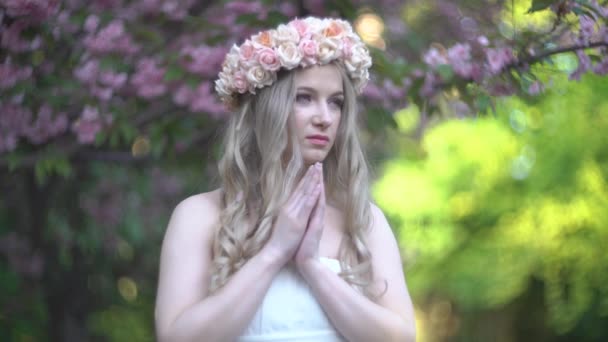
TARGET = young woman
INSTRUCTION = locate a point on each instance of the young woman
(289, 248)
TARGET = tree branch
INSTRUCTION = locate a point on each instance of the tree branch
(545, 54)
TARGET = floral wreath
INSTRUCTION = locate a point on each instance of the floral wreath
(299, 43)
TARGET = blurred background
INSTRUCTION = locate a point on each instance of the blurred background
(484, 125)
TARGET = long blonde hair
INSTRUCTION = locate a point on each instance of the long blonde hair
(257, 180)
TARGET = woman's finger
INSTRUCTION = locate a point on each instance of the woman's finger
(310, 198)
(307, 186)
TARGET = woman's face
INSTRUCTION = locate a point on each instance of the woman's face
(316, 111)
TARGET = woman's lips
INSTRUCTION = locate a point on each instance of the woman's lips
(318, 140)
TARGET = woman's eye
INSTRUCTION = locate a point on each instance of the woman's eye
(303, 98)
(338, 102)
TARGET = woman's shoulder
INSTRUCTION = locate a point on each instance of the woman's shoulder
(204, 203)
(197, 214)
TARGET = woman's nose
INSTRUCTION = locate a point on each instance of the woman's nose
(323, 116)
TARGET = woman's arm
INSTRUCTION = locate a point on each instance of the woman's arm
(357, 318)
(184, 312)
(184, 309)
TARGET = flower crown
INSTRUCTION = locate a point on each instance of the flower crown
(299, 43)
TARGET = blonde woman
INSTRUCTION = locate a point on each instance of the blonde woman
(289, 248)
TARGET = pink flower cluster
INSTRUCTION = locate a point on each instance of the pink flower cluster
(16, 121)
(388, 94)
(11, 39)
(148, 79)
(299, 43)
(101, 83)
(460, 58)
(89, 124)
(35, 9)
(473, 61)
(111, 38)
(173, 9)
(199, 100)
(11, 74)
(202, 60)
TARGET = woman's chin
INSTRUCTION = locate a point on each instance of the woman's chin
(312, 158)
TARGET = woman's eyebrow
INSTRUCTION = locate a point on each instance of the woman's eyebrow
(313, 90)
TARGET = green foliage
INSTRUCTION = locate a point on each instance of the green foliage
(499, 201)
(123, 323)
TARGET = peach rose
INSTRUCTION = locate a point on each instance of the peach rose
(262, 39)
(334, 29)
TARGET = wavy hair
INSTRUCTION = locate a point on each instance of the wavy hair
(257, 179)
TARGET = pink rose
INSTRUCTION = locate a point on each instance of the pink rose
(246, 52)
(300, 26)
(347, 47)
(308, 49)
(240, 82)
(268, 59)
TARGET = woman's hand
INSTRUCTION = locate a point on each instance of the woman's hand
(291, 223)
(309, 247)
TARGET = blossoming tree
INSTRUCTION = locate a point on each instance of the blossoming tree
(90, 91)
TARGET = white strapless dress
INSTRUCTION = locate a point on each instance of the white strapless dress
(290, 311)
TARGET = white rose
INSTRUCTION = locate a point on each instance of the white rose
(285, 33)
(360, 57)
(220, 87)
(232, 60)
(259, 77)
(289, 55)
(328, 50)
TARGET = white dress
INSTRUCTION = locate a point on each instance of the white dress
(290, 312)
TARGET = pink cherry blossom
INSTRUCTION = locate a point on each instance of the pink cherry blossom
(91, 23)
(149, 79)
(88, 125)
(14, 120)
(434, 58)
(183, 95)
(584, 64)
(498, 58)
(11, 38)
(36, 9)
(11, 74)
(205, 101)
(203, 60)
(587, 28)
(601, 67)
(112, 38)
(535, 88)
(459, 57)
(45, 127)
(88, 72)
(112, 79)
(373, 91)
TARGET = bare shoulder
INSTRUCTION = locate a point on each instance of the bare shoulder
(379, 225)
(195, 217)
(186, 256)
